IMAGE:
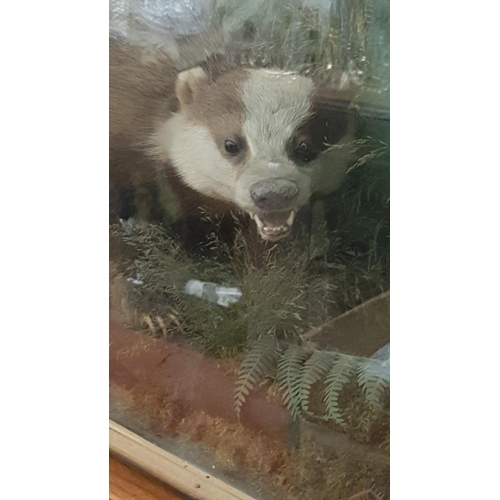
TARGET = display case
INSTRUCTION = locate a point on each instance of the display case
(249, 246)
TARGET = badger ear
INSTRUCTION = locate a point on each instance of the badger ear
(187, 82)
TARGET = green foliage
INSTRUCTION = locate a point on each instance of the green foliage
(164, 270)
(322, 42)
(280, 299)
(298, 370)
(372, 384)
(291, 290)
(339, 375)
(290, 377)
(259, 362)
(314, 369)
(358, 218)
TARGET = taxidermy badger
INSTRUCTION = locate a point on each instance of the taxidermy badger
(255, 140)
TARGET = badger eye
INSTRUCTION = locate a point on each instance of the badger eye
(305, 146)
(304, 153)
(231, 147)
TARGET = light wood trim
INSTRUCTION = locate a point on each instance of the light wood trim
(178, 473)
(127, 482)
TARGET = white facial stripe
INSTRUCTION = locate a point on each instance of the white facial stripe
(275, 105)
(272, 165)
(198, 161)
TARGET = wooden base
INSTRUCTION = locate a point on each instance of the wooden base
(127, 482)
(175, 472)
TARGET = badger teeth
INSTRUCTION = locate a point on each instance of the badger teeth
(258, 221)
(274, 230)
(277, 229)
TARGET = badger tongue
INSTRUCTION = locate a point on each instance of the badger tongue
(274, 224)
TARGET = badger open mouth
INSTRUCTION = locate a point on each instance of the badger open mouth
(274, 225)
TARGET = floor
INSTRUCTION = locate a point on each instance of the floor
(127, 482)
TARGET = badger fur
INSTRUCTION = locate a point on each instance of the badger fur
(255, 140)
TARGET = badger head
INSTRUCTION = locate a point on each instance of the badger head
(254, 138)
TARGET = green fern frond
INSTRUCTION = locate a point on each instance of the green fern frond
(372, 384)
(341, 371)
(314, 368)
(290, 376)
(258, 362)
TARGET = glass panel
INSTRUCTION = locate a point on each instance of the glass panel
(249, 239)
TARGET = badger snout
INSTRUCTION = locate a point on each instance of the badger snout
(274, 194)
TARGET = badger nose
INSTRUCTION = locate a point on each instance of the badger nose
(273, 194)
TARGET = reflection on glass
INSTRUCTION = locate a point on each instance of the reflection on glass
(249, 239)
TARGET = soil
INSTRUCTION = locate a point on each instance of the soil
(183, 394)
(194, 381)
